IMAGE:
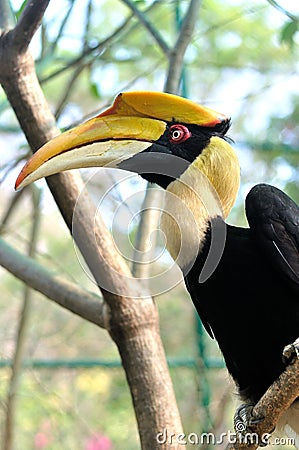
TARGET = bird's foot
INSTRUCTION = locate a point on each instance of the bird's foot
(244, 419)
(290, 352)
(243, 422)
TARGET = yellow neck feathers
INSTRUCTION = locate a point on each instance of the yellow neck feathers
(219, 163)
(208, 188)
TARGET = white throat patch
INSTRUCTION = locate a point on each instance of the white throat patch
(190, 203)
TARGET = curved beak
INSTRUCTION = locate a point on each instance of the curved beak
(131, 125)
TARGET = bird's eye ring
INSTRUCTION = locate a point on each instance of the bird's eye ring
(178, 134)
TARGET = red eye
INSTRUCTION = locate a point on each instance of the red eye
(178, 134)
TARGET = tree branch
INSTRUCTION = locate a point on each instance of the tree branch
(11, 208)
(23, 325)
(61, 29)
(99, 47)
(68, 90)
(87, 51)
(62, 292)
(282, 10)
(147, 24)
(187, 28)
(150, 216)
(87, 23)
(28, 23)
(144, 241)
(278, 398)
(133, 321)
(177, 54)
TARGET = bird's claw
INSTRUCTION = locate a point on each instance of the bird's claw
(290, 352)
(244, 420)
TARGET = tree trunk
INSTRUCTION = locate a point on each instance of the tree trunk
(132, 315)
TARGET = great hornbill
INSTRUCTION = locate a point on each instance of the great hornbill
(249, 302)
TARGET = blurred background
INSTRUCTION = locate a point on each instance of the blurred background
(242, 61)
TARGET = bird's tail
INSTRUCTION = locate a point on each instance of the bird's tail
(289, 423)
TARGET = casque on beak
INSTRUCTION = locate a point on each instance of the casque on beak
(131, 125)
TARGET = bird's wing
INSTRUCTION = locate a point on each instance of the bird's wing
(274, 220)
(199, 309)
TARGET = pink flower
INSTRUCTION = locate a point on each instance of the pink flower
(98, 442)
(41, 441)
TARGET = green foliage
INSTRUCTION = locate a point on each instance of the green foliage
(288, 32)
(94, 89)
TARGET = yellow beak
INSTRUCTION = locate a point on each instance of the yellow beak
(131, 125)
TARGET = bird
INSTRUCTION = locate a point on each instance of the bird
(244, 282)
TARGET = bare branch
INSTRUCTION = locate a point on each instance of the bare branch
(67, 92)
(62, 292)
(123, 88)
(150, 215)
(61, 29)
(282, 10)
(10, 209)
(87, 51)
(278, 398)
(28, 23)
(178, 52)
(188, 25)
(98, 48)
(87, 24)
(150, 28)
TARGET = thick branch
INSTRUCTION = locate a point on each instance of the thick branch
(133, 319)
(278, 398)
(28, 23)
(62, 292)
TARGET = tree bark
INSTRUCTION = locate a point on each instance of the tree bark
(132, 315)
(64, 293)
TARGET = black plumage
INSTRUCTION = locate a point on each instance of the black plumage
(250, 304)
(251, 301)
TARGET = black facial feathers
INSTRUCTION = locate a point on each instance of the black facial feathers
(167, 158)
